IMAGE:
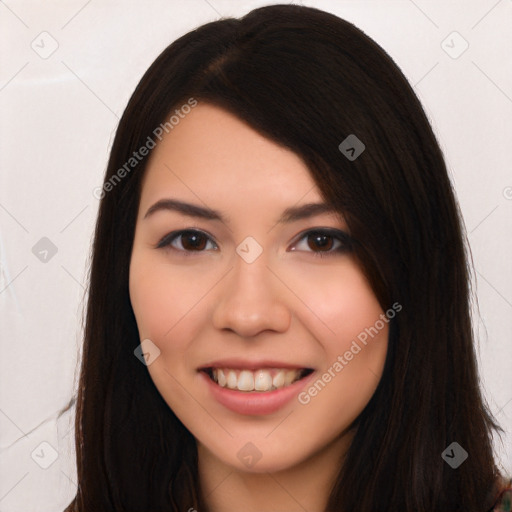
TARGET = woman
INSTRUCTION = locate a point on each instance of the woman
(278, 313)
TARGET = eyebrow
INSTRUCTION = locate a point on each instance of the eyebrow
(291, 214)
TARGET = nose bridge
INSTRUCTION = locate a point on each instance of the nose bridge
(251, 278)
(252, 299)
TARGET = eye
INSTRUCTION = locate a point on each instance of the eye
(188, 240)
(323, 242)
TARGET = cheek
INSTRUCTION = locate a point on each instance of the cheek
(355, 341)
(347, 322)
(151, 297)
(340, 303)
(161, 295)
(163, 309)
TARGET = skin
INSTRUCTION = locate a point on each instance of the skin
(289, 305)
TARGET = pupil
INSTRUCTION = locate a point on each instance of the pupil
(323, 242)
(193, 241)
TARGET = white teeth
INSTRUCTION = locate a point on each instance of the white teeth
(278, 380)
(246, 381)
(232, 380)
(289, 377)
(258, 380)
(262, 381)
(221, 378)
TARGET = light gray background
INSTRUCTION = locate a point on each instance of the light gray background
(58, 117)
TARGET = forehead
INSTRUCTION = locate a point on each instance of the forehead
(211, 151)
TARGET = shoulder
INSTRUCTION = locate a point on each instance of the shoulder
(504, 500)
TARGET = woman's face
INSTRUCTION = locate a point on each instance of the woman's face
(239, 273)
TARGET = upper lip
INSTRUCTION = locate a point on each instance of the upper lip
(251, 365)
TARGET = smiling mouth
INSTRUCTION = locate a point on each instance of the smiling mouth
(263, 380)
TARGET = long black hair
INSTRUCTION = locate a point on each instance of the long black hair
(307, 80)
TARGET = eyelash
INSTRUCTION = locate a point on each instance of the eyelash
(345, 241)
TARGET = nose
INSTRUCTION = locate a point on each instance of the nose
(251, 300)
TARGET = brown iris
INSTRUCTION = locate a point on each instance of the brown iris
(320, 241)
(193, 241)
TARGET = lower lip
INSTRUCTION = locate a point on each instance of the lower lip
(255, 403)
